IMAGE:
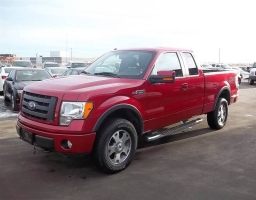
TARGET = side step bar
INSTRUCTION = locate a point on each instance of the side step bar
(154, 135)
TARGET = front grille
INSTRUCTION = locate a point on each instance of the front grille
(43, 107)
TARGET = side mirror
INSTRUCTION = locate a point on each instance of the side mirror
(54, 76)
(163, 77)
(34, 66)
(9, 79)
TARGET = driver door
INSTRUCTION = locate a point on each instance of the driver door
(167, 102)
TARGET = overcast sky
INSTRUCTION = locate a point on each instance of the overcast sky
(93, 27)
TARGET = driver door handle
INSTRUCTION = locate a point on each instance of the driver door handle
(184, 86)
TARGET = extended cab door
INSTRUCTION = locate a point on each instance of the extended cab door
(196, 85)
(167, 102)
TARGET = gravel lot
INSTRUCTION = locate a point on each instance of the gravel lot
(197, 164)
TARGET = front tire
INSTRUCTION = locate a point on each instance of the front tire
(218, 118)
(115, 145)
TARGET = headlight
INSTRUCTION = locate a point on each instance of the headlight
(19, 91)
(74, 110)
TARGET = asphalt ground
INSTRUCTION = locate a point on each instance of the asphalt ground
(197, 164)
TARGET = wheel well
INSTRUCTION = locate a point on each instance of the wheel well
(127, 114)
(226, 95)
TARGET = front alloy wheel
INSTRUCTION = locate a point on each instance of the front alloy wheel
(119, 147)
(115, 145)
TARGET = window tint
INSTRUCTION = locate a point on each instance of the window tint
(166, 62)
(192, 68)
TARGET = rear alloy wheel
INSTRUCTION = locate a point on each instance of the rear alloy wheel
(14, 103)
(115, 145)
(250, 81)
(218, 118)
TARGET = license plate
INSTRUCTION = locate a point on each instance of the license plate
(27, 136)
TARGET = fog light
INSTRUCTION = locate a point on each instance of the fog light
(66, 144)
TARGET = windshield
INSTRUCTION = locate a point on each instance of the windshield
(21, 64)
(57, 71)
(51, 65)
(254, 65)
(127, 64)
(75, 65)
(30, 75)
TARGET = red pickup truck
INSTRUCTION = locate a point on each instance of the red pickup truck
(123, 95)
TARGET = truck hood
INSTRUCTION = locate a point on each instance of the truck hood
(83, 84)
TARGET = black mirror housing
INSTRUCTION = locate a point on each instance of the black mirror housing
(163, 77)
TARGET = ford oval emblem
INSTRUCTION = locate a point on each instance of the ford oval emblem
(32, 105)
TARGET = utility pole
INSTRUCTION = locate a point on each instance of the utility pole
(219, 55)
(71, 53)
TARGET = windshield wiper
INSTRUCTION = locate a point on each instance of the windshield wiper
(85, 72)
(107, 74)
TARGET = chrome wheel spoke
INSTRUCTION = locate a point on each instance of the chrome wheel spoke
(126, 150)
(117, 158)
(116, 137)
(125, 138)
(111, 150)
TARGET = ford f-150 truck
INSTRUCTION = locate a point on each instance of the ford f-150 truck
(123, 95)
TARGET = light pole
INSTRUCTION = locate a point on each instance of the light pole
(71, 53)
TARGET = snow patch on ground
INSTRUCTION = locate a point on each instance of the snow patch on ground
(7, 114)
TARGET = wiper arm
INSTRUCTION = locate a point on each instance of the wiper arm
(107, 74)
(85, 72)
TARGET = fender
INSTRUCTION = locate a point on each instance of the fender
(219, 93)
(117, 107)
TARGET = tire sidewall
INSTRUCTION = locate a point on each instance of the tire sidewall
(108, 133)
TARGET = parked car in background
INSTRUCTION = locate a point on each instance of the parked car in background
(56, 71)
(4, 71)
(252, 76)
(204, 65)
(76, 64)
(76, 71)
(50, 64)
(22, 63)
(244, 74)
(17, 80)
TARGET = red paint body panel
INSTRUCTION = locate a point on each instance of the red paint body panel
(159, 105)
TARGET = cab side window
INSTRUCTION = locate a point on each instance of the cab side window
(168, 62)
(192, 68)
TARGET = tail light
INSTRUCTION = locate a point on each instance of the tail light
(4, 77)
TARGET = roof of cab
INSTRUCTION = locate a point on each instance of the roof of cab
(158, 49)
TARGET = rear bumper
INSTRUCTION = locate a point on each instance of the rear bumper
(81, 144)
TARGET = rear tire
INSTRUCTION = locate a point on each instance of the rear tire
(218, 118)
(5, 97)
(14, 103)
(115, 145)
(250, 81)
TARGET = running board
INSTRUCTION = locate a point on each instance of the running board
(154, 135)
